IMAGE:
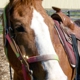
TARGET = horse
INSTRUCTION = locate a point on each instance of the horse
(31, 43)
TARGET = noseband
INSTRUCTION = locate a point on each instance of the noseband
(22, 57)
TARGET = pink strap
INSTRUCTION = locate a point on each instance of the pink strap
(43, 58)
(25, 75)
(10, 42)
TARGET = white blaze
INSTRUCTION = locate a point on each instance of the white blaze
(44, 46)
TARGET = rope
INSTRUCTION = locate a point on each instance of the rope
(10, 72)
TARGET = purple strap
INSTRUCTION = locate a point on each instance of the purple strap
(24, 72)
(25, 75)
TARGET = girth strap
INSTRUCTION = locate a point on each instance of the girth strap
(75, 48)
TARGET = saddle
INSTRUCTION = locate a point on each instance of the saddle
(70, 26)
(67, 27)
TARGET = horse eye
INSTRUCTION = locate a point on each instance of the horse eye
(20, 29)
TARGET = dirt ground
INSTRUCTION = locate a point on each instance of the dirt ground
(4, 66)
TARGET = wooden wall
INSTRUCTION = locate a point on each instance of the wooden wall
(64, 4)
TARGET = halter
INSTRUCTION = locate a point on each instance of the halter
(23, 58)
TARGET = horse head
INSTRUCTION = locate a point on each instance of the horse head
(33, 33)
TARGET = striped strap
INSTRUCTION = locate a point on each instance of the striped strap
(25, 75)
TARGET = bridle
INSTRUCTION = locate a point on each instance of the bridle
(23, 58)
(9, 40)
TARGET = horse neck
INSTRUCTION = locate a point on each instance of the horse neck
(38, 4)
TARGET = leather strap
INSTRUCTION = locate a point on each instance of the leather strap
(75, 48)
(25, 74)
(67, 47)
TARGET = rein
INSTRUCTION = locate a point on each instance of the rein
(25, 60)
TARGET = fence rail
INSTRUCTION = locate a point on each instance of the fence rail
(73, 14)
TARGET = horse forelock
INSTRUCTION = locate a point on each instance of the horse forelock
(18, 6)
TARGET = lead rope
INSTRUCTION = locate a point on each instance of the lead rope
(10, 72)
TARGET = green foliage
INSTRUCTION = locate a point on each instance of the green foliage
(72, 13)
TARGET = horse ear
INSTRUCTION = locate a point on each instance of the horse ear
(11, 1)
(14, 1)
(56, 9)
